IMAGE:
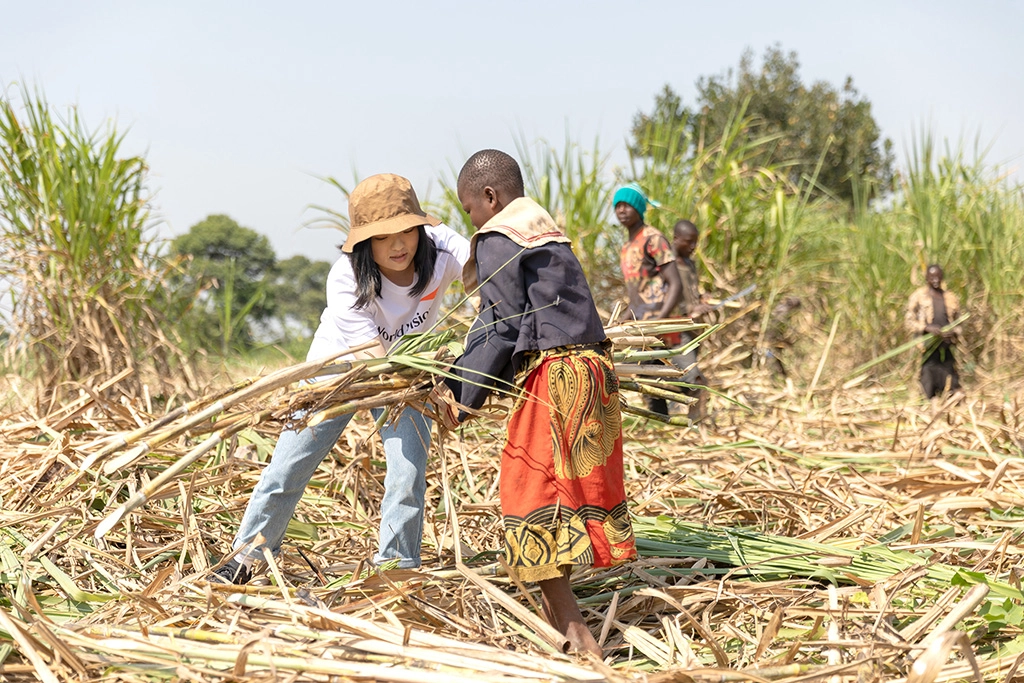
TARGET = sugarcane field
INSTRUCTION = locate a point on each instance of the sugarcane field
(796, 536)
(815, 389)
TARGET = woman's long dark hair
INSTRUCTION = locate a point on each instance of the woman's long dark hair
(367, 273)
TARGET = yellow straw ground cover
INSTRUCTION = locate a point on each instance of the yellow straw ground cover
(850, 533)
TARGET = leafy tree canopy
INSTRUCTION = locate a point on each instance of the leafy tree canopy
(218, 240)
(816, 122)
(299, 286)
(232, 264)
(248, 297)
(226, 256)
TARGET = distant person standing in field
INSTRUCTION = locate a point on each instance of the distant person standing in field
(648, 267)
(691, 305)
(929, 309)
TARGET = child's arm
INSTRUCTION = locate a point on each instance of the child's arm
(659, 250)
(487, 361)
(674, 292)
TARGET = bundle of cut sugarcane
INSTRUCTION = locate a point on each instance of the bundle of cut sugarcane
(345, 386)
(402, 377)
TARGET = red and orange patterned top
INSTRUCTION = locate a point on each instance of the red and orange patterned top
(642, 259)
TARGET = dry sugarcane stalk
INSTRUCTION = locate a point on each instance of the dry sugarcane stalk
(23, 639)
(271, 382)
(787, 468)
(974, 597)
(69, 411)
(121, 440)
(930, 341)
(174, 470)
(651, 329)
(233, 425)
(539, 625)
(631, 370)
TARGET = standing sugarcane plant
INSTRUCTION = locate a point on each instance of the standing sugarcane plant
(968, 217)
(82, 280)
(575, 188)
(716, 183)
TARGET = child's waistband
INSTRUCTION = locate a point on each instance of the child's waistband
(533, 359)
(598, 347)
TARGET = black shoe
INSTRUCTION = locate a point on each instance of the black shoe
(233, 572)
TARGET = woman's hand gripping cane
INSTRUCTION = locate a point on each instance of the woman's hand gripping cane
(446, 408)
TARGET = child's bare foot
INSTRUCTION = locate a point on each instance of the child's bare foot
(563, 612)
(582, 640)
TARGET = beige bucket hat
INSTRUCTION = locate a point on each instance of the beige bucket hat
(383, 205)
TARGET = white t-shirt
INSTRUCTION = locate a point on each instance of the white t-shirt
(395, 313)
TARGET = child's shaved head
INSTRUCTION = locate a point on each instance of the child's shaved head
(684, 239)
(684, 227)
(491, 167)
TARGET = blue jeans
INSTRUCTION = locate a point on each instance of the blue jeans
(295, 459)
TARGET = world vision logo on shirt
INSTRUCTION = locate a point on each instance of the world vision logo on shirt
(405, 328)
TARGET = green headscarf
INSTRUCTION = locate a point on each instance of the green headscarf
(634, 196)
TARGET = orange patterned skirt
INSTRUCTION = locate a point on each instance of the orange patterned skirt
(563, 500)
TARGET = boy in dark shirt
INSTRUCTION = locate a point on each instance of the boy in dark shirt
(539, 337)
(684, 242)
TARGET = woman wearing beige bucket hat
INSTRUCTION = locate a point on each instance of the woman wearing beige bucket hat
(397, 263)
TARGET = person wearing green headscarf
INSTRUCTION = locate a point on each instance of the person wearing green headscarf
(632, 194)
(648, 266)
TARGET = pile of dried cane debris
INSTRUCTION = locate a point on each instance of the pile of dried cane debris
(850, 534)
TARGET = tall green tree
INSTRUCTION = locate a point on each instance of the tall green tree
(812, 123)
(299, 287)
(230, 270)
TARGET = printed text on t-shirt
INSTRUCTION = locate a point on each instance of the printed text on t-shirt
(405, 328)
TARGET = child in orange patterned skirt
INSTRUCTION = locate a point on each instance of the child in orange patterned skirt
(540, 338)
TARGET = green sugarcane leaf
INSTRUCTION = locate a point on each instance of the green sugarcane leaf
(68, 585)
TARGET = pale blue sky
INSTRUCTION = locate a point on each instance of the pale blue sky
(238, 106)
